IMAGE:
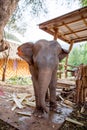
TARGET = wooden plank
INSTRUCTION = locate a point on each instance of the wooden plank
(80, 30)
(75, 22)
(55, 33)
(60, 36)
(71, 30)
(65, 85)
(69, 17)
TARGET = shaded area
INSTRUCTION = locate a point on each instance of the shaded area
(6, 126)
(78, 114)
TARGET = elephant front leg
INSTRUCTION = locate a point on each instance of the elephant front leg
(52, 88)
(39, 97)
(43, 82)
(36, 92)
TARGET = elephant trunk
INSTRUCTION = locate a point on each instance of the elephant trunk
(44, 80)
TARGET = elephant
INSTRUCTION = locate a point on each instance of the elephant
(43, 58)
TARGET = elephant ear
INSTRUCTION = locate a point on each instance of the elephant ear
(25, 51)
(56, 45)
(63, 54)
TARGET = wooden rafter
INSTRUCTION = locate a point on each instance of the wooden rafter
(72, 27)
(85, 22)
(81, 30)
(66, 25)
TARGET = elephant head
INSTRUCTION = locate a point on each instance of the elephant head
(43, 58)
(27, 50)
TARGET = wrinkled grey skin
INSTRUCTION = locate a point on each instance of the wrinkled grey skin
(43, 58)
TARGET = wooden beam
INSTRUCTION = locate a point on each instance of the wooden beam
(66, 62)
(65, 17)
(80, 30)
(55, 33)
(85, 22)
(70, 30)
(62, 37)
(80, 39)
(61, 27)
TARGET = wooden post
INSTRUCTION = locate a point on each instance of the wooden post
(66, 62)
(81, 84)
(55, 34)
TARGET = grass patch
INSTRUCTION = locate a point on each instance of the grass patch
(19, 81)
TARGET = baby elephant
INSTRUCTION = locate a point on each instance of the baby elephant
(43, 58)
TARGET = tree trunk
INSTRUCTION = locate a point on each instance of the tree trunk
(5, 64)
(6, 9)
(4, 68)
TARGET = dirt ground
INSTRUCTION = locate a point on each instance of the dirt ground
(11, 120)
(79, 116)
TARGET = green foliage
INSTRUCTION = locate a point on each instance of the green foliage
(10, 36)
(36, 8)
(32, 7)
(19, 81)
(78, 55)
(84, 2)
(84, 53)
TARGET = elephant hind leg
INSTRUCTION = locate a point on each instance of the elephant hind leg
(52, 88)
(47, 96)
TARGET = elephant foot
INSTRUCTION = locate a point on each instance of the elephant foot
(39, 112)
(53, 106)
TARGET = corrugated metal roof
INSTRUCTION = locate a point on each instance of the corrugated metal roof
(71, 27)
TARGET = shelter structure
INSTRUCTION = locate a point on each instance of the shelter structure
(71, 28)
(15, 66)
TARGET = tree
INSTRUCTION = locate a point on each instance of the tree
(78, 55)
(5, 57)
(75, 57)
(83, 52)
(25, 7)
(32, 8)
(6, 9)
(83, 2)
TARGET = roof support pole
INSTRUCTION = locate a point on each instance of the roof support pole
(55, 33)
(66, 62)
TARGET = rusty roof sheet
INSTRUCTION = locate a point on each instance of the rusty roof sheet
(71, 27)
